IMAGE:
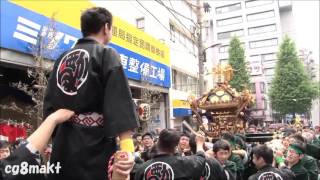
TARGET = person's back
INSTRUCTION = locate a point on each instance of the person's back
(213, 170)
(165, 165)
(89, 79)
(271, 173)
(170, 167)
(262, 158)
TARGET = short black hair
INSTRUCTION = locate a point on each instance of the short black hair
(4, 144)
(185, 134)
(221, 145)
(264, 152)
(147, 134)
(288, 131)
(298, 137)
(93, 19)
(168, 139)
(135, 135)
(230, 138)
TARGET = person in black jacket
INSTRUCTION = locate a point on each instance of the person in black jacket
(294, 158)
(263, 158)
(213, 170)
(165, 165)
(89, 79)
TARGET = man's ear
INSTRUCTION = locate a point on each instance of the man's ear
(106, 28)
(301, 156)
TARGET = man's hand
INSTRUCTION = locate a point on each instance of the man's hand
(240, 152)
(124, 167)
(61, 115)
(200, 139)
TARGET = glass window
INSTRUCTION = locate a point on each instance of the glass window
(269, 57)
(172, 33)
(228, 8)
(233, 20)
(263, 43)
(140, 23)
(224, 49)
(255, 59)
(254, 3)
(174, 79)
(261, 15)
(184, 82)
(265, 104)
(253, 87)
(223, 61)
(262, 29)
(226, 35)
(269, 72)
(262, 87)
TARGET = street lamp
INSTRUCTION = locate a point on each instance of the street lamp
(204, 51)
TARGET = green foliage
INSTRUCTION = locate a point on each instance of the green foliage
(241, 78)
(292, 90)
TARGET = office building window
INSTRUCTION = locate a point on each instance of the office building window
(261, 15)
(172, 33)
(265, 104)
(262, 29)
(233, 20)
(223, 61)
(255, 59)
(184, 82)
(174, 78)
(263, 43)
(223, 49)
(269, 57)
(140, 23)
(255, 3)
(262, 87)
(229, 34)
(228, 8)
(253, 87)
(269, 72)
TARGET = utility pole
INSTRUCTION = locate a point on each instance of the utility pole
(200, 47)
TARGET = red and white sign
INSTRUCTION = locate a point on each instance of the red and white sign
(144, 112)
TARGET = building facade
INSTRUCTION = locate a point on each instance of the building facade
(146, 60)
(260, 26)
(155, 39)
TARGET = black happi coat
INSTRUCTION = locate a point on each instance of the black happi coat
(169, 167)
(88, 78)
(213, 170)
(272, 173)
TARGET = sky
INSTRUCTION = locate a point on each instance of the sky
(306, 19)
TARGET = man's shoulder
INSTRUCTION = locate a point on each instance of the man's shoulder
(299, 169)
(253, 177)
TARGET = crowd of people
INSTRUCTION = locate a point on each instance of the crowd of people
(171, 154)
(291, 154)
